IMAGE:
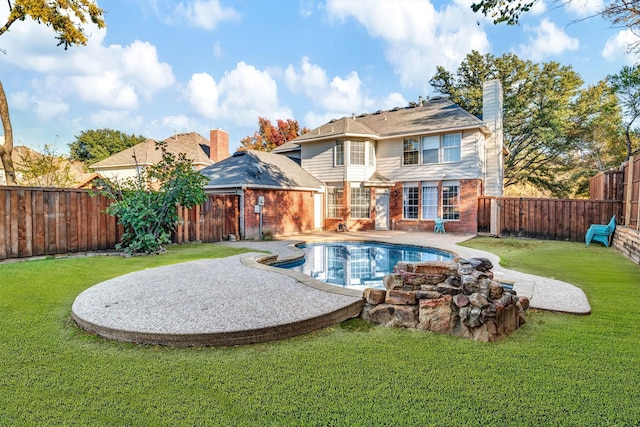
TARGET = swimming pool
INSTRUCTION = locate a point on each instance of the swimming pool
(358, 265)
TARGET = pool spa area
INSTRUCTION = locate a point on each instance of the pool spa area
(358, 265)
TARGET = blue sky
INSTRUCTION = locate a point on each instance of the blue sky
(165, 66)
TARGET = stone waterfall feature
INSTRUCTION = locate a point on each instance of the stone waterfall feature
(458, 298)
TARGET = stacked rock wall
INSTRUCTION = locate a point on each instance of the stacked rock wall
(458, 298)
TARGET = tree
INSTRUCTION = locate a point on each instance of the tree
(626, 86)
(46, 169)
(66, 18)
(269, 137)
(596, 127)
(537, 105)
(618, 12)
(7, 146)
(146, 205)
(91, 146)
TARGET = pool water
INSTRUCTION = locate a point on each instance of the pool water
(358, 265)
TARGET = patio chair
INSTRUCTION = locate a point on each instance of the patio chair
(439, 226)
(601, 233)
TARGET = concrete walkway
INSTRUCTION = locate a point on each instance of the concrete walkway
(237, 300)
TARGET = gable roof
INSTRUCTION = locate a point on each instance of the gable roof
(259, 169)
(192, 144)
(435, 115)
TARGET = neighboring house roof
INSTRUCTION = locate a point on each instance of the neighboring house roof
(435, 115)
(259, 169)
(192, 144)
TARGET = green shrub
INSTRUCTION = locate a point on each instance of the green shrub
(146, 205)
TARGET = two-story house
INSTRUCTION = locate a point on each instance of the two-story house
(403, 168)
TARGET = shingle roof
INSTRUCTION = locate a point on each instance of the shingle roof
(253, 168)
(192, 144)
(436, 115)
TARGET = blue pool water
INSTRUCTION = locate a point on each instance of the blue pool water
(358, 265)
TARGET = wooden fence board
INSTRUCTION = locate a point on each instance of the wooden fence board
(45, 221)
(552, 219)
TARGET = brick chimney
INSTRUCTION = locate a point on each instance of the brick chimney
(219, 145)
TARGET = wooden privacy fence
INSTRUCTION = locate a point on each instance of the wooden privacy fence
(50, 221)
(631, 193)
(551, 219)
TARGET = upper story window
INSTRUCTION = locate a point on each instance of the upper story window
(432, 149)
(338, 153)
(356, 153)
(411, 153)
(451, 147)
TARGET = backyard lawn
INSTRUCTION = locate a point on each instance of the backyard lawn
(559, 369)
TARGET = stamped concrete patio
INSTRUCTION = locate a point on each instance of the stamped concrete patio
(237, 300)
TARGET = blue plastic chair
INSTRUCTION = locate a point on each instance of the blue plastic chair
(439, 226)
(601, 233)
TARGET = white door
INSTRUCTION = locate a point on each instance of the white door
(318, 207)
(382, 209)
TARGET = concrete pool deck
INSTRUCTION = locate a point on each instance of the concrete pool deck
(206, 302)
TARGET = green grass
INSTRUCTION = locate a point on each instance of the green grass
(558, 369)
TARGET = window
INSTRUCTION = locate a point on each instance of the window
(451, 200)
(360, 203)
(430, 149)
(356, 153)
(429, 201)
(334, 201)
(451, 147)
(410, 201)
(411, 152)
(338, 153)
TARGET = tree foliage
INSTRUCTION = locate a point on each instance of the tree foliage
(597, 133)
(91, 146)
(46, 169)
(269, 136)
(146, 205)
(626, 86)
(66, 18)
(541, 129)
(618, 12)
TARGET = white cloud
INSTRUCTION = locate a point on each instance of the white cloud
(617, 47)
(338, 96)
(106, 89)
(547, 40)
(241, 96)
(341, 95)
(48, 110)
(584, 8)
(417, 36)
(205, 14)
(203, 94)
(133, 70)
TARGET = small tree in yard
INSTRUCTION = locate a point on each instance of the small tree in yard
(147, 205)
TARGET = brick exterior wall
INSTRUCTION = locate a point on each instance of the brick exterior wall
(284, 212)
(470, 189)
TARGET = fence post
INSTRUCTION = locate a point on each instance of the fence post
(629, 198)
(494, 227)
